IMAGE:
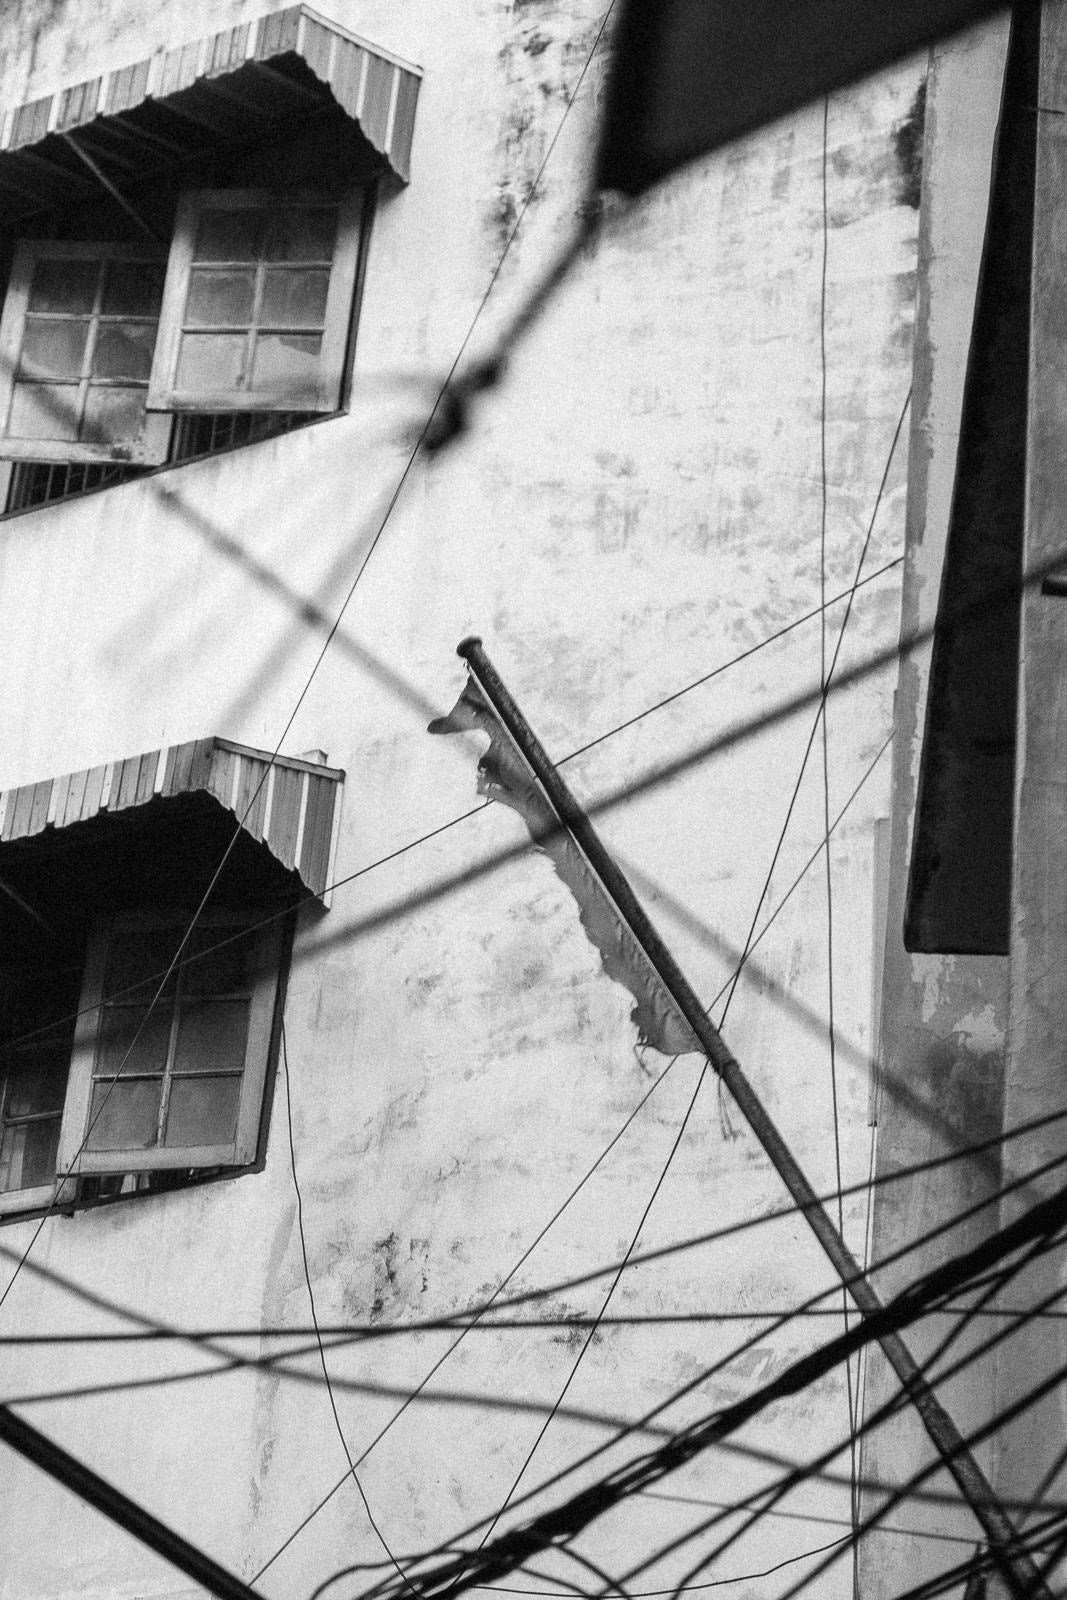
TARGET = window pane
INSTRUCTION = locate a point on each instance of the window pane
(52, 349)
(124, 350)
(225, 971)
(28, 1154)
(127, 1117)
(147, 1049)
(133, 288)
(212, 1036)
(141, 958)
(202, 1111)
(113, 416)
(37, 1083)
(211, 361)
(64, 285)
(44, 411)
(288, 363)
(219, 299)
(295, 296)
(229, 236)
(302, 233)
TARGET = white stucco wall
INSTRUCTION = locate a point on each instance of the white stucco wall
(638, 504)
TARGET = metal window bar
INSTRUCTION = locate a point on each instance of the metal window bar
(205, 433)
(36, 483)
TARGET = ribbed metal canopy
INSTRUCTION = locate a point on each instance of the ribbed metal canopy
(178, 103)
(182, 801)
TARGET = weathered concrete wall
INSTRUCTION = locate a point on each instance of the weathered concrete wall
(639, 504)
(943, 1017)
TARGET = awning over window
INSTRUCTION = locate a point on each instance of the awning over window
(178, 102)
(171, 810)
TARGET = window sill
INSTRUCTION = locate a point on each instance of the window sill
(89, 1197)
(115, 475)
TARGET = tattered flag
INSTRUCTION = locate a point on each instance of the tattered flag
(504, 775)
(690, 75)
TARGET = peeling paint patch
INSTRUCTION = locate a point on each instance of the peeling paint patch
(932, 972)
(979, 1033)
(908, 148)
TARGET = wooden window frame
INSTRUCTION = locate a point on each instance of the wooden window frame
(72, 1160)
(151, 448)
(163, 392)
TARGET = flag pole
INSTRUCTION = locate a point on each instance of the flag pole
(1016, 1566)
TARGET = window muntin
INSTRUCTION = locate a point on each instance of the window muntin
(32, 1093)
(177, 1083)
(104, 346)
(34, 1064)
(258, 302)
(143, 1088)
(169, 1075)
(77, 339)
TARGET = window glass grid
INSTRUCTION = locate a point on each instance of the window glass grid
(260, 348)
(165, 1108)
(65, 403)
(33, 1078)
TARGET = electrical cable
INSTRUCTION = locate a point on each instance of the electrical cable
(952, 1577)
(473, 811)
(477, 1314)
(1046, 1219)
(977, 1436)
(796, 1476)
(595, 1324)
(904, 1532)
(707, 1373)
(314, 1312)
(823, 717)
(890, 1408)
(467, 1319)
(390, 506)
(338, 1485)
(988, 1429)
(714, 1583)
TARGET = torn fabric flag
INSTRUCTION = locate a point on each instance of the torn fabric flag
(504, 775)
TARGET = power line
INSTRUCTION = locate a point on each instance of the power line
(953, 1576)
(314, 1313)
(655, 777)
(891, 1407)
(344, 1333)
(476, 1314)
(822, 716)
(564, 1522)
(390, 506)
(653, 1594)
(473, 811)
(596, 1321)
(895, 1404)
(911, 1532)
(976, 1437)
(470, 1317)
(709, 1372)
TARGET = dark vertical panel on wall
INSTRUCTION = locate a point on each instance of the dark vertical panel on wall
(960, 885)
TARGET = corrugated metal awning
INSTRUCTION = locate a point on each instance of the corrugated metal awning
(288, 806)
(229, 85)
